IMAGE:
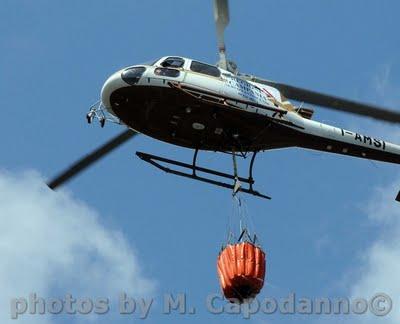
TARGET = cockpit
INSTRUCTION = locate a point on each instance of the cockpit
(176, 62)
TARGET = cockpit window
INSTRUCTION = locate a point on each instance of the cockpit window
(205, 69)
(173, 73)
(175, 62)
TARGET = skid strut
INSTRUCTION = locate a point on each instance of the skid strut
(164, 163)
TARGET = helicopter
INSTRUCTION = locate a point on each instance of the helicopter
(206, 107)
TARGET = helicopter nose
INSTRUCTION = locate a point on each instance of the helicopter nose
(113, 83)
(124, 78)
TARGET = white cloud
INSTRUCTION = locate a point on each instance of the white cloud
(380, 263)
(52, 243)
(380, 268)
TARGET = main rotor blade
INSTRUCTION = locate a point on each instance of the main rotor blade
(332, 102)
(91, 158)
(221, 16)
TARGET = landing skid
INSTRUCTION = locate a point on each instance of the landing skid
(157, 160)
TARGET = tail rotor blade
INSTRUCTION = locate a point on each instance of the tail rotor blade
(89, 159)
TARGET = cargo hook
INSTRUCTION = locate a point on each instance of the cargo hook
(237, 184)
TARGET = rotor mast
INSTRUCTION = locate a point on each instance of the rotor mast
(221, 16)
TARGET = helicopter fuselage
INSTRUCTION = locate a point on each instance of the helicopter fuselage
(197, 105)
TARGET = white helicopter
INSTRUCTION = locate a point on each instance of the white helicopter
(215, 108)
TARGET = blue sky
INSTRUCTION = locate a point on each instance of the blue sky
(54, 59)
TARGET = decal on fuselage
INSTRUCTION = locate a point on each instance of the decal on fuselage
(363, 139)
(246, 90)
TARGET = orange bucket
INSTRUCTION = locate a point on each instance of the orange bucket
(241, 271)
